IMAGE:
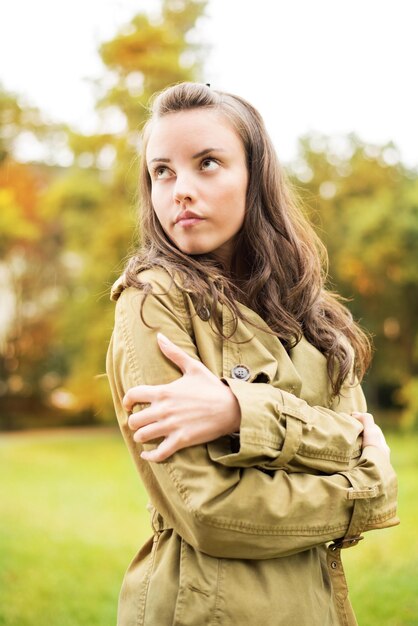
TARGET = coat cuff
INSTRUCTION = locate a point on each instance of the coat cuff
(373, 488)
(279, 430)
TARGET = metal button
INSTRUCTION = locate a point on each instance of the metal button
(204, 313)
(334, 564)
(241, 372)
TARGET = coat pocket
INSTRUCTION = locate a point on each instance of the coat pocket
(200, 584)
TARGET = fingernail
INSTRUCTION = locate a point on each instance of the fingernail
(163, 339)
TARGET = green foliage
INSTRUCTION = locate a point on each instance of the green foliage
(145, 57)
(73, 516)
(28, 260)
(364, 204)
(15, 118)
(149, 55)
(13, 224)
(408, 395)
(21, 123)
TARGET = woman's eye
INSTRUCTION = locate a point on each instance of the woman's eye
(161, 172)
(209, 164)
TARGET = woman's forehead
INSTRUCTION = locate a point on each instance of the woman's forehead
(190, 129)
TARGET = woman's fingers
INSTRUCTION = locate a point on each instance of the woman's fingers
(178, 356)
(364, 418)
(155, 430)
(142, 394)
(193, 409)
(162, 452)
(143, 418)
(146, 394)
(372, 433)
(173, 442)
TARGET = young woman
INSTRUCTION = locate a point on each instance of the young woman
(235, 375)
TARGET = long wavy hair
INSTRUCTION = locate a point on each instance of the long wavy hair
(282, 262)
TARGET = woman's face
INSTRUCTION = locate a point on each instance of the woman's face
(199, 178)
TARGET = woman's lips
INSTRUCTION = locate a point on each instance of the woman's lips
(189, 221)
(188, 218)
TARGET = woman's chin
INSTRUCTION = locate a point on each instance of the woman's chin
(193, 250)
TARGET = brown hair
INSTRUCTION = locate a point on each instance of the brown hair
(284, 277)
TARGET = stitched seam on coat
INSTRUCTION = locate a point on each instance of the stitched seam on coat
(249, 439)
(129, 343)
(180, 602)
(227, 325)
(291, 412)
(327, 454)
(182, 303)
(217, 613)
(383, 516)
(142, 600)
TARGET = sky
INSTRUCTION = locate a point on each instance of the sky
(326, 66)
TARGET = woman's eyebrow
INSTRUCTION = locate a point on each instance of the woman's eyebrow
(160, 159)
(207, 151)
(195, 156)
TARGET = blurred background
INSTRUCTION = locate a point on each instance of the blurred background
(335, 84)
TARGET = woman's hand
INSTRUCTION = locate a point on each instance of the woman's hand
(372, 433)
(193, 409)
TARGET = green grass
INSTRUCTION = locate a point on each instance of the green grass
(72, 515)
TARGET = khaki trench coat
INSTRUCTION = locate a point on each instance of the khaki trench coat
(242, 528)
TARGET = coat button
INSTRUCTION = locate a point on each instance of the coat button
(334, 564)
(204, 313)
(241, 372)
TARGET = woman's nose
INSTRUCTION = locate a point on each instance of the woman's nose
(183, 189)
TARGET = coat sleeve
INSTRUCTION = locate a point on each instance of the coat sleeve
(280, 430)
(228, 511)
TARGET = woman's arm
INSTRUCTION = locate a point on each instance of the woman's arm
(234, 512)
(197, 408)
(193, 409)
(276, 428)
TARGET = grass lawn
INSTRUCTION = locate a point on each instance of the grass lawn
(72, 515)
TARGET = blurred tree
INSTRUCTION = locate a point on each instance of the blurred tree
(32, 277)
(29, 290)
(65, 231)
(97, 198)
(23, 130)
(365, 206)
